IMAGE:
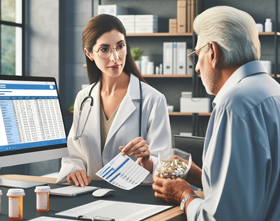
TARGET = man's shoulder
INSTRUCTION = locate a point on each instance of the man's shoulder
(249, 93)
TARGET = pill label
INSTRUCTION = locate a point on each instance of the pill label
(13, 207)
(42, 201)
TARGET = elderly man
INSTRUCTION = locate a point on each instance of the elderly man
(241, 159)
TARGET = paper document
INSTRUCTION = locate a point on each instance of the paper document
(120, 211)
(45, 218)
(123, 172)
(72, 190)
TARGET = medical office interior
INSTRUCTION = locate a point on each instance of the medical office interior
(52, 47)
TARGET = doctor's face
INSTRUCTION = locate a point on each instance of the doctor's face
(109, 53)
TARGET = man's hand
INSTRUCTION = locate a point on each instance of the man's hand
(79, 178)
(171, 190)
(194, 174)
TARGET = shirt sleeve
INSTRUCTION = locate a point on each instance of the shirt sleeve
(235, 167)
(159, 134)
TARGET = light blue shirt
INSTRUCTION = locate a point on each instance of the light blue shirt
(241, 158)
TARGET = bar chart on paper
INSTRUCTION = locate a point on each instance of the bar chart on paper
(123, 172)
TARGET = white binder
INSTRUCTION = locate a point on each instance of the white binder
(181, 57)
(167, 57)
(189, 63)
(174, 58)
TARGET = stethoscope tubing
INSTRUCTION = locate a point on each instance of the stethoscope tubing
(91, 104)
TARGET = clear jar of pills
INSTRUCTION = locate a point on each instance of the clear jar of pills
(15, 203)
(42, 198)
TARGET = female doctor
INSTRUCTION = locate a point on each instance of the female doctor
(119, 112)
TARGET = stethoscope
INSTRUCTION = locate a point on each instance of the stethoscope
(91, 104)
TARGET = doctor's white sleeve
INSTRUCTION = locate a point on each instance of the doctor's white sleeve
(75, 160)
(234, 170)
(159, 133)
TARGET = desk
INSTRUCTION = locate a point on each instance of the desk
(140, 194)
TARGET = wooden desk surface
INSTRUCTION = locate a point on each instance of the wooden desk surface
(162, 216)
(29, 178)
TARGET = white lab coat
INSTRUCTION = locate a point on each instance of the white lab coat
(85, 153)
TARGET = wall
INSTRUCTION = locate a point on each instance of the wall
(42, 43)
(73, 16)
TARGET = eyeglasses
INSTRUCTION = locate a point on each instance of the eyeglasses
(105, 52)
(194, 55)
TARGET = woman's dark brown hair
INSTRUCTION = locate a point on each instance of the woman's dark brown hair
(94, 29)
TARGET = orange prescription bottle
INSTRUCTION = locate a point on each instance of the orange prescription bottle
(42, 198)
(15, 203)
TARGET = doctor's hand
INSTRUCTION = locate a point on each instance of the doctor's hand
(171, 190)
(79, 178)
(139, 148)
(194, 174)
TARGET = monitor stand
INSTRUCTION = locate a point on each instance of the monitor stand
(19, 184)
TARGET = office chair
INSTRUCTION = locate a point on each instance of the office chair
(191, 144)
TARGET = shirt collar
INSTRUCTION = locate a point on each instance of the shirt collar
(250, 68)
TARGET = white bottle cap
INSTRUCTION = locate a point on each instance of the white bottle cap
(0, 192)
(268, 19)
(15, 192)
(42, 189)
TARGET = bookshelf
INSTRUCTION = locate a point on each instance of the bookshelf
(167, 34)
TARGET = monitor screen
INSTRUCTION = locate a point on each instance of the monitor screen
(30, 120)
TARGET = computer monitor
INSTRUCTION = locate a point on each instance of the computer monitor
(31, 123)
(191, 144)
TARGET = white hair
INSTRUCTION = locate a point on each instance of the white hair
(234, 31)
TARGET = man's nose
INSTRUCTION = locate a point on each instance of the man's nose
(114, 55)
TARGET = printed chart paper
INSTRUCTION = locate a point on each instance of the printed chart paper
(123, 172)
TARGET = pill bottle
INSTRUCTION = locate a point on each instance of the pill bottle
(268, 25)
(157, 70)
(15, 203)
(0, 200)
(160, 69)
(42, 198)
(144, 64)
(150, 68)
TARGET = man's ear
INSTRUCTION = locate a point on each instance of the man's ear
(88, 54)
(215, 53)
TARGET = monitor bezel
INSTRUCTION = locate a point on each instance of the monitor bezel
(41, 148)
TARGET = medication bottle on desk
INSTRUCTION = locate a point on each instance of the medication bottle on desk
(42, 198)
(15, 203)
